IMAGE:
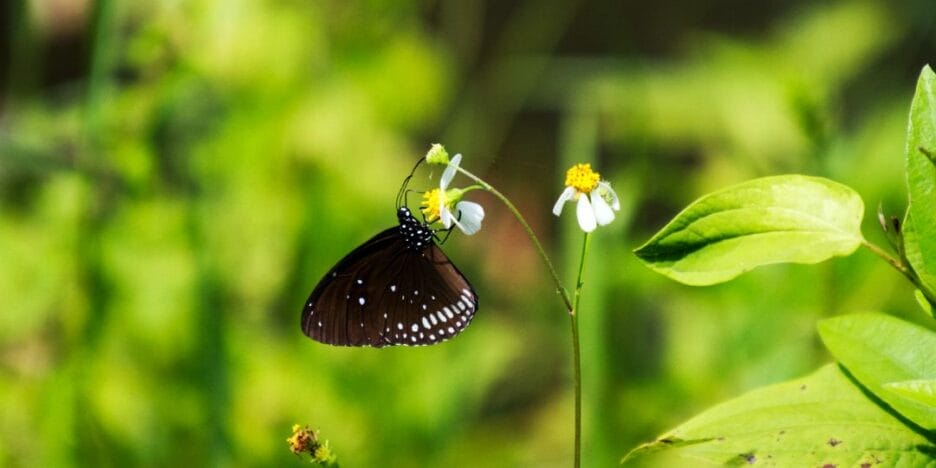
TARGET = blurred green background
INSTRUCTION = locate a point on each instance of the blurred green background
(176, 175)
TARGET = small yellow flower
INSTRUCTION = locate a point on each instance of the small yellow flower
(431, 204)
(446, 205)
(593, 196)
(302, 439)
(582, 178)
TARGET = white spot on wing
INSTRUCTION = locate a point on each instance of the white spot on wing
(425, 323)
(360, 300)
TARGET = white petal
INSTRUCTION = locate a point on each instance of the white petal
(586, 215)
(565, 196)
(615, 203)
(445, 216)
(471, 216)
(449, 172)
(603, 213)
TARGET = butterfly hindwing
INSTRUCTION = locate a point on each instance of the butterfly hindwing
(428, 302)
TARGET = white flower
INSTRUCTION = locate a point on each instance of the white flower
(446, 204)
(592, 195)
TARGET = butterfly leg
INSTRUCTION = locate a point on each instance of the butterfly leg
(448, 232)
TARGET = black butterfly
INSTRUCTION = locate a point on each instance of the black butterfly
(398, 288)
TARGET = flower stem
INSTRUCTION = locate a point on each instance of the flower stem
(903, 268)
(526, 227)
(576, 355)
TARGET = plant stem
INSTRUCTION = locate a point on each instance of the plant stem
(904, 269)
(576, 355)
(526, 227)
(571, 307)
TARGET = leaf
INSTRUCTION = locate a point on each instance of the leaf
(878, 349)
(921, 176)
(820, 420)
(911, 245)
(924, 303)
(790, 218)
(923, 391)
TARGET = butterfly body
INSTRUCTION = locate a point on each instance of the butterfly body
(398, 288)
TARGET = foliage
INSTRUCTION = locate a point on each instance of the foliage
(175, 175)
(880, 410)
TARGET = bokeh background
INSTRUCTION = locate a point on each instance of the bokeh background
(176, 175)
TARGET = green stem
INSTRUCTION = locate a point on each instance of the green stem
(576, 354)
(904, 269)
(570, 307)
(526, 227)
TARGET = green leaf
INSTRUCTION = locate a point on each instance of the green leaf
(923, 391)
(790, 218)
(878, 349)
(921, 176)
(924, 303)
(820, 420)
(912, 252)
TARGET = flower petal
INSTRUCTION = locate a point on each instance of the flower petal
(565, 196)
(603, 213)
(449, 172)
(471, 215)
(445, 216)
(615, 203)
(586, 215)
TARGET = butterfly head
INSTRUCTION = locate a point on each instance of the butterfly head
(417, 235)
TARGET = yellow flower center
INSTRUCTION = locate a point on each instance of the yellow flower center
(581, 177)
(430, 204)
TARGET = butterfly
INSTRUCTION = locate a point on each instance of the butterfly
(398, 288)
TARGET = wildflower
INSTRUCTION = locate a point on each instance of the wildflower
(447, 206)
(593, 196)
(305, 440)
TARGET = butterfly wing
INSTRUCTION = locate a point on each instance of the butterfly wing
(383, 293)
(336, 300)
(428, 302)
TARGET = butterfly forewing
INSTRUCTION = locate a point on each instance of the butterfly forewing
(337, 295)
(398, 288)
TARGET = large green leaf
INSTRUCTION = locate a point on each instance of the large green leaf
(823, 419)
(923, 391)
(878, 350)
(790, 218)
(913, 254)
(921, 176)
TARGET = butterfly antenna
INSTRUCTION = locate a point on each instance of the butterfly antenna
(402, 193)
